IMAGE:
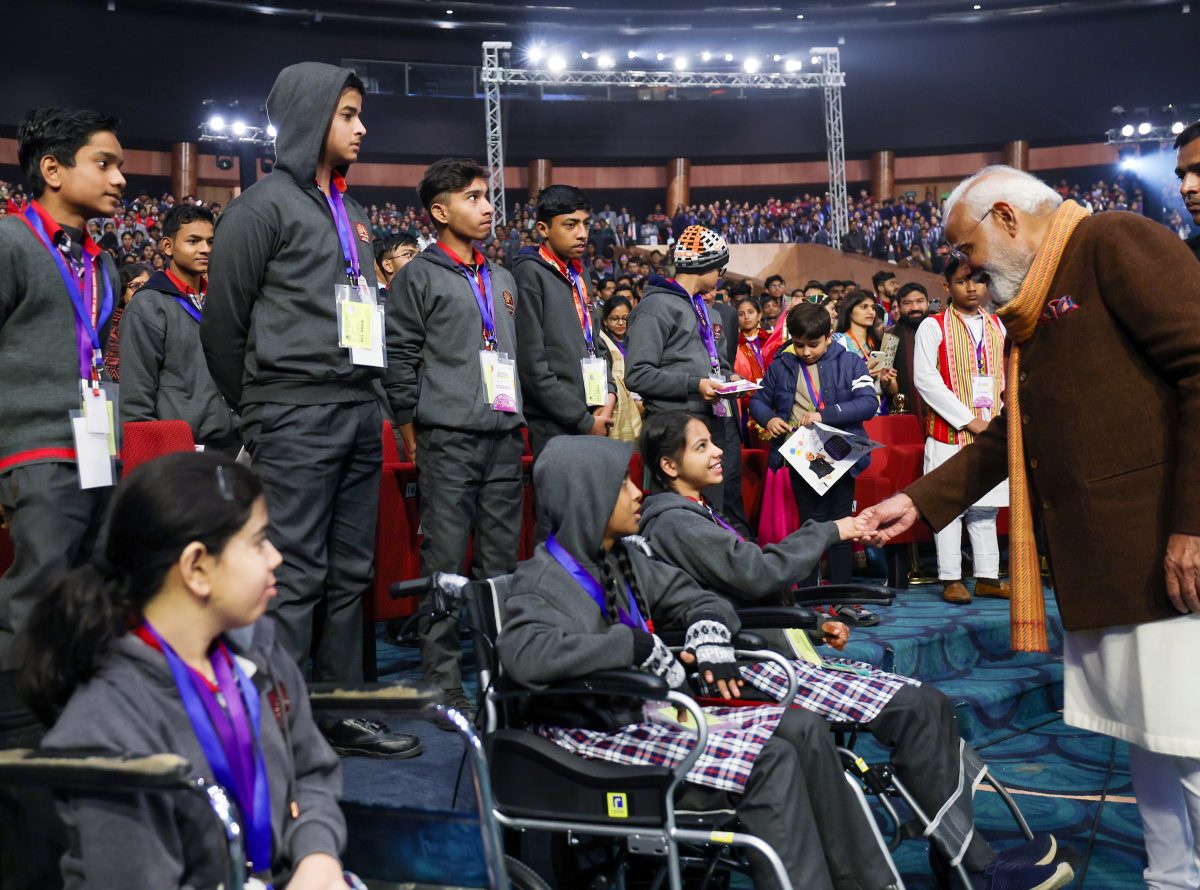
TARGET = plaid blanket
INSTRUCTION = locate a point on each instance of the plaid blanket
(724, 765)
(835, 695)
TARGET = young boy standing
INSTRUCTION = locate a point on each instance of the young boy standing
(564, 364)
(286, 285)
(958, 368)
(57, 294)
(452, 382)
(164, 374)
(676, 358)
(814, 379)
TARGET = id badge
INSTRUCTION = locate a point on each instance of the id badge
(595, 381)
(95, 408)
(93, 462)
(720, 407)
(360, 324)
(499, 380)
(982, 389)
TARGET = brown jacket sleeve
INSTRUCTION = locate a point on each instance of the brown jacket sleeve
(965, 478)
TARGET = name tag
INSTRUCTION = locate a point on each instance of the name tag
(499, 380)
(360, 324)
(720, 407)
(982, 394)
(595, 381)
(95, 407)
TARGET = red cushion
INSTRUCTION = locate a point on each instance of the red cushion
(895, 429)
(144, 440)
(397, 544)
(754, 480)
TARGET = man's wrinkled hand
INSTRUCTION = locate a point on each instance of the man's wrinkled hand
(1183, 572)
(891, 518)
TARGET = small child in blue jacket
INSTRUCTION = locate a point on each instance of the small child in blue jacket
(812, 380)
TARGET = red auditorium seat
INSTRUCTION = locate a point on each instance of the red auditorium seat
(397, 544)
(637, 471)
(895, 466)
(754, 480)
(144, 440)
(528, 509)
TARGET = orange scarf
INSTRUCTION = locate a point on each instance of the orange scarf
(1027, 613)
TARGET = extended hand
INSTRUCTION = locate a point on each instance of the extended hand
(318, 871)
(1183, 572)
(836, 634)
(891, 518)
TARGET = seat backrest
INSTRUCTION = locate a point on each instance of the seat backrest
(144, 440)
(391, 450)
(895, 429)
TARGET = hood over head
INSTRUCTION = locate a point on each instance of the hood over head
(300, 107)
(580, 478)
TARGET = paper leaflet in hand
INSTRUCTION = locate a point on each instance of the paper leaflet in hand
(822, 454)
(735, 387)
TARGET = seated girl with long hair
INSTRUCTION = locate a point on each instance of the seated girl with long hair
(160, 647)
(914, 719)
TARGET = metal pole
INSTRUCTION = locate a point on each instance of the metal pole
(835, 143)
(492, 78)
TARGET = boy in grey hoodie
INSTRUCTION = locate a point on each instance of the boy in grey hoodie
(310, 418)
(453, 385)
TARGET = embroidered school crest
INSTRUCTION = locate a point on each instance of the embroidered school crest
(363, 235)
(509, 302)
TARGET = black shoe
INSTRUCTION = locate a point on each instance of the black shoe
(457, 699)
(855, 615)
(367, 738)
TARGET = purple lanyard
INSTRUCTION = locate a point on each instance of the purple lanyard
(620, 344)
(230, 740)
(191, 308)
(756, 348)
(91, 351)
(483, 299)
(978, 344)
(585, 316)
(337, 207)
(716, 517)
(706, 332)
(818, 401)
(585, 580)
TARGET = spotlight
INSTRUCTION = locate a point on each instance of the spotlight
(1177, 128)
(1127, 130)
(706, 55)
(1144, 128)
(271, 131)
(751, 65)
(585, 55)
(557, 63)
(216, 123)
(792, 66)
(977, 7)
(535, 53)
(660, 56)
(1126, 163)
(605, 61)
(776, 58)
(266, 164)
(800, 17)
(239, 128)
(681, 63)
(816, 60)
(224, 162)
(631, 55)
(728, 57)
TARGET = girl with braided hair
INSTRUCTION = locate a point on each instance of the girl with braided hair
(591, 598)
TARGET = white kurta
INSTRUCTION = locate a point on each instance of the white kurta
(1137, 683)
(942, 400)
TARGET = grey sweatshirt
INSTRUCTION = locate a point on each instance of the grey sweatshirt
(168, 840)
(39, 358)
(434, 335)
(550, 345)
(270, 330)
(554, 631)
(163, 372)
(665, 357)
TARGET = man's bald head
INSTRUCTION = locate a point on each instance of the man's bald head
(977, 194)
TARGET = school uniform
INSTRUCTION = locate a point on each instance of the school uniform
(309, 416)
(165, 374)
(666, 356)
(556, 331)
(46, 349)
(444, 311)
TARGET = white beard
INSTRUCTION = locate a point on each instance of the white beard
(1007, 269)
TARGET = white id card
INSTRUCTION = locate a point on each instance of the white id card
(595, 381)
(92, 459)
(499, 380)
(360, 324)
(720, 407)
(94, 404)
(982, 394)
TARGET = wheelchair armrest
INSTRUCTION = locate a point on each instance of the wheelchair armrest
(863, 594)
(82, 769)
(362, 698)
(626, 682)
(776, 618)
(745, 639)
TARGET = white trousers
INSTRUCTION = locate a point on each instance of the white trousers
(1168, 795)
(985, 548)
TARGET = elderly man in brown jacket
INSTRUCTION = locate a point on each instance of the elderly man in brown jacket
(1100, 435)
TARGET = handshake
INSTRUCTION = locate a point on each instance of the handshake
(856, 528)
(879, 524)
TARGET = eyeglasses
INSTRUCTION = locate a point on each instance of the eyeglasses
(955, 249)
(618, 319)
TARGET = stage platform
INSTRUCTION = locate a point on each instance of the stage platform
(408, 824)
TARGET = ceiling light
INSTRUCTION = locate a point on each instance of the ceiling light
(660, 56)
(631, 54)
(816, 60)
(1127, 130)
(271, 131)
(216, 123)
(681, 63)
(728, 57)
(239, 128)
(535, 53)
(604, 60)
(977, 7)
(800, 17)
(751, 65)
(792, 66)
(1177, 128)
(706, 55)
(557, 63)
(1144, 128)
(776, 58)
(449, 12)
(585, 55)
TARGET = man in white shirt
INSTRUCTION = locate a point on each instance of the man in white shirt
(958, 368)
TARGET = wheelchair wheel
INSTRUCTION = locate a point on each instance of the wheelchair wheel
(522, 877)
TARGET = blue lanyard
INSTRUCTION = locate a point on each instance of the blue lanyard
(232, 744)
(481, 288)
(585, 580)
(818, 400)
(82, 298)
(341, 219)
(190, 308)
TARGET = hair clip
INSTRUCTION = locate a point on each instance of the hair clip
(223, 485)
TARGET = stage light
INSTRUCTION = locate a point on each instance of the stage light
(1177, 128)
(660, 56)
(271, 131)
(585, 55)
(751, 65)
(816, 60)
(1127, 130)
(776, 58)
(1144, 128)
(605, 61)
(631, 55)
(681, 63)
(977, 7)
(800, 17)
(224, 162)
(535, 53)
(216, 123)
(706, 56)
(557, 63)
(728, 57)
(792, 66)
(239, 128)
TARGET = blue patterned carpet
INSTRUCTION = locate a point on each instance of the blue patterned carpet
(406, 823)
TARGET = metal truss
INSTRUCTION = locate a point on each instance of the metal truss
(830, 79)
(1156, 134)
